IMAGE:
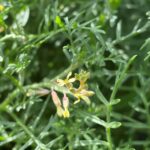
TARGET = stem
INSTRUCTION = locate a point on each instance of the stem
(119, 80)
(146, 105)
(132, 34)
(108, 130)
(70, 147)
(12, 36)
(38, 143)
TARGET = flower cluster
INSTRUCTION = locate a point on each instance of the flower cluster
(80, 93)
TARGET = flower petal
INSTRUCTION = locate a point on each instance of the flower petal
(66, 113)
(61, 82)
(69, 75)
(72, 80)
(86, 99)
(86, 93)
(77, 101)
(60, 111)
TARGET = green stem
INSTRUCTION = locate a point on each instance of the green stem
(70, 147)
(120, 79)
(12, 36)
(132, 34)
(118, 82)
(146, 104)
(108, 130)
(24, 127)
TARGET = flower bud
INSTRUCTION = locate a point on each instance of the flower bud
(66, 113)
(43, 92)
(65, 101)
(55, 99)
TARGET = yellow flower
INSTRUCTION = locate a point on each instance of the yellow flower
(1, 7)
(84, 95)
(82, 91)
(66, 82)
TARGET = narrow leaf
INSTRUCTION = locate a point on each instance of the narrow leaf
(114, 125)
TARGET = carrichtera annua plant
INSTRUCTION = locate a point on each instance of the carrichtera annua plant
(80, 93)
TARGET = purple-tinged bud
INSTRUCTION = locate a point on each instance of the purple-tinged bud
(65, 101)
(43, 92)
(55, 99)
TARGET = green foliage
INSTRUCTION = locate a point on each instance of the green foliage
(42, 41)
